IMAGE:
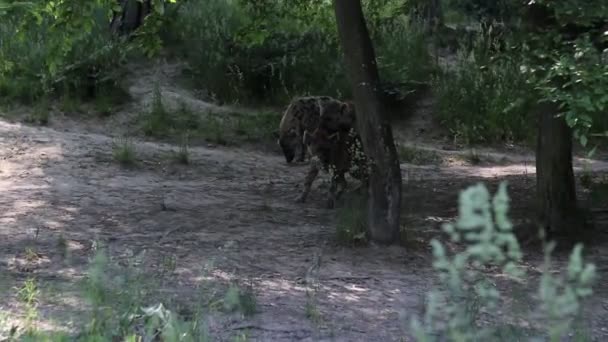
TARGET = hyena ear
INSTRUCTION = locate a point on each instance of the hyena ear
(344, 107)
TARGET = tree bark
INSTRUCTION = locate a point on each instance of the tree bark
(131, 17)
(555, 187)
(372, 122)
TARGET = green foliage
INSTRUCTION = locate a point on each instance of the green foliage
(236, 50)
(182, 156)
(123, 152)
(568, 67)
(403, 52)
(28, 295)
(157, 121)
(40, 114)
(118, 299)
(561, 298)
(489, 11)
(245, 52)
(467, 291)
(217, 128)
(418, 156)
(49, 47)
(237, 299)
(122, 305)
(271, 51)
(485, 98)
(311, 309)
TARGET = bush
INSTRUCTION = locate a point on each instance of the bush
(37, 59)
(485, 97)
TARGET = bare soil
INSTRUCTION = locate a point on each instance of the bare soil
(234, 208)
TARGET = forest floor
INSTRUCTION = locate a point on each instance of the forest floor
(230, 215)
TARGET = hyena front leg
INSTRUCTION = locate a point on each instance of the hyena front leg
(336, 188)
(313, 171)
(303, 144)
(302, 155)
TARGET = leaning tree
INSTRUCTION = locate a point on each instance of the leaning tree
(372, 121)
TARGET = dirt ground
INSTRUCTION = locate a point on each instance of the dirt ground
(235, 208)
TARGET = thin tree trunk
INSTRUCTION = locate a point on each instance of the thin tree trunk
(373, 123)
(556, 193)
(131, 17)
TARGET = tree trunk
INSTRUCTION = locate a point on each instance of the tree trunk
(131, 17)
(372, 122)
(556, 194)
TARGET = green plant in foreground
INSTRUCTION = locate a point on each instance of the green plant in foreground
(351, 226)
(123, 152)
(118, 302)
(467, 292)
(242, 300)
(182, 156)
(311, 309)
(28, 295)
(157, 122)
(40, 114)
(418, 156)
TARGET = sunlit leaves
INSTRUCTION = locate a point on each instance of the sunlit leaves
(570, 70)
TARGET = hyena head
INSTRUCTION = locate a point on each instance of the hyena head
(289, 142)
(338, 116)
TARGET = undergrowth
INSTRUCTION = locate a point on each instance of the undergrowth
(270, 53)
(223, 128)
(122, 304)
(418, 156)
(484, 97)
(123, 152)
(351, 226)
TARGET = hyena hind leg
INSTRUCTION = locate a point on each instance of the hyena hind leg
(336, 189)
(313, 172)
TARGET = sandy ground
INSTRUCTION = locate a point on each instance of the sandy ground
(234, 208)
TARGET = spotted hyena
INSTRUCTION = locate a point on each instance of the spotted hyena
(336, 151)
(304, 114)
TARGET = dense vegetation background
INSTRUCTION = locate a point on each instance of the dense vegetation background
(496, 73)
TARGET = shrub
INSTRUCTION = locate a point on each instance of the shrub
(36, 60)
(485, 98)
